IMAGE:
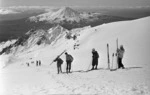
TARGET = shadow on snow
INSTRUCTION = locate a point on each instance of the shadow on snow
(127, 68)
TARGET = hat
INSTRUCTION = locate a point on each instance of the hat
(93, 49)
(121, 47)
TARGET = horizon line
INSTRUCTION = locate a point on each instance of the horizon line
(41, 6)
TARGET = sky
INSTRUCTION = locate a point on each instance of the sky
(85, 3)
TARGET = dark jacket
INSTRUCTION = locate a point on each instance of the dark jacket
(59, 61)
(95, 55)
(69, 58)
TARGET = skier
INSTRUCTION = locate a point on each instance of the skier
(38, 62)
(28, 64)
(69, 60)
(120, 56)
(59, 63)
(95, 59)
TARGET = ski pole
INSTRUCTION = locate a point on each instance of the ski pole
(89, 65)
(117, 54)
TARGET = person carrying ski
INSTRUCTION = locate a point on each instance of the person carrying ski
(59, 63)
(120, 56)
(94, 59)
(69, 60)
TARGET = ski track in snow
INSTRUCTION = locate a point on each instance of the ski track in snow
(82, 83)
(78, 82)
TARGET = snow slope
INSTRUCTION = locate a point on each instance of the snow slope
(18, 79)
(6, 44)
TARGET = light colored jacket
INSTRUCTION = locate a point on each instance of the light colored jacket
(120, 53)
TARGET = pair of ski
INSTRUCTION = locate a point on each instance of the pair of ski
(58, 56)
(114, 56)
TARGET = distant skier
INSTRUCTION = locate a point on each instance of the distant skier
(59, 63)
(95, 59)
(69, 60)
(38, 62)
(120, 56)
(28, 64)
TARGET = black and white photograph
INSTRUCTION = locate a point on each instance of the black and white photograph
(74, 47)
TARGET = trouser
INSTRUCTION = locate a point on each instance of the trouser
(95, 63)
(120, 63)
(68, 66)
(39, 63)
(59, 69)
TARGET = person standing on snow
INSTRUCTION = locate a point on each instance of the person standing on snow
(94, 59)
(120, 56)
(69, 60)
(59, 63)
(38, 62)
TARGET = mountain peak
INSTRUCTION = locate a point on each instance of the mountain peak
(67, 12)
(66, 8)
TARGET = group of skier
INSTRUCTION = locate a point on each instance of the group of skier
(95, 56)
(59, 61)
(37, 62)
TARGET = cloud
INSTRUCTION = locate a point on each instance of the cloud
(20, 9)
(113, 7)
(7, 11)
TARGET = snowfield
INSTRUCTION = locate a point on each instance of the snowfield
(18, 79)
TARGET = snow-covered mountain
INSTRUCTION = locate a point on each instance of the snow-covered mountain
(66, 14)
(35, 38)
(45, 19)
(6, 44)
(18, 78)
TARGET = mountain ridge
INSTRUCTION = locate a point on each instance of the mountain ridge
(36, 38)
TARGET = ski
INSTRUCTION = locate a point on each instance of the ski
(89, 66)
(108, 56)
(117, 54)
(112, 64)
(58, 56)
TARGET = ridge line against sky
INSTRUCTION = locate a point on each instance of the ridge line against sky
(85, 3)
